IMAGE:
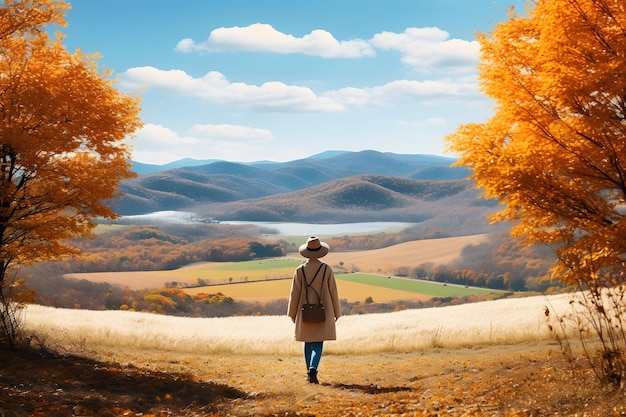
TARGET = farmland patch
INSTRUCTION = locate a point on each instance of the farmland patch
(207, 272)
(352, 287)
(434, 289)
(276, 290)
(379, 261)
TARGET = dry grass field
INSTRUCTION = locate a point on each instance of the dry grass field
(493, 322)
(492, 358)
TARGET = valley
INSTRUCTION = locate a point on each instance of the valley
(260, 278)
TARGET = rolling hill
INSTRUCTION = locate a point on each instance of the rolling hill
(377, 185)
(360, 198)
(418, 164)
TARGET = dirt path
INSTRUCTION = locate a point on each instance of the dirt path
(516, 380)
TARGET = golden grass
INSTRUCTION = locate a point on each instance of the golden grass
(506, 321)
(494, 358)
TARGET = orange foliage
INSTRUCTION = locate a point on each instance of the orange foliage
(212, 298)
(62, 126)
(29, 17)
(554, 151)
(144, 248)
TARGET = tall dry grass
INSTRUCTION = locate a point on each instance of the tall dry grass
(506, 321)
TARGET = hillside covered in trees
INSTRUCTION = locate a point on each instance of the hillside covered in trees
(366, 198)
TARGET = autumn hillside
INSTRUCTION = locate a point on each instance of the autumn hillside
(364, 198)
(356, 186)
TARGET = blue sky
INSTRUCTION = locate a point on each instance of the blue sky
(251, 80)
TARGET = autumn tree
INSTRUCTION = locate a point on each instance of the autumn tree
(554, 151)
(62, 155)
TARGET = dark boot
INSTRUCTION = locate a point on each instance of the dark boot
(313, 376)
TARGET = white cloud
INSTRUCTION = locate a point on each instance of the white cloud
(185, 45)
(279, 97)
(427, 92)
(158, 144)
(225, 131)
(425, 50)
(160, 136)
(428, 50)
(260, 37)
(215, 87)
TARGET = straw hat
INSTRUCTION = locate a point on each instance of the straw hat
(314, 248)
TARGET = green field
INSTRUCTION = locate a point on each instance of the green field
(352, 287)
(288, 265)
(435, 289)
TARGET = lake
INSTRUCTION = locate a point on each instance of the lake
(324, 229)
(299, 229)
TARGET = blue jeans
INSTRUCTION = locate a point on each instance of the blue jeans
(313, 354)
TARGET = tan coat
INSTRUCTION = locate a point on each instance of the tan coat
(314, 332)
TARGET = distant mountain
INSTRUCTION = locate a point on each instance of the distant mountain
(332, 155)
(327, 187)
(142, 169)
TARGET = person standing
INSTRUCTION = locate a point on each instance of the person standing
(321, 279)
